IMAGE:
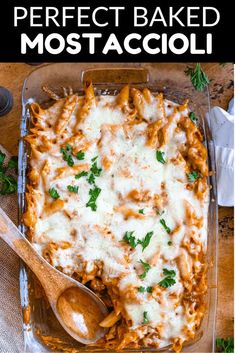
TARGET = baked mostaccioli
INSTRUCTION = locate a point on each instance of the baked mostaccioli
(118, 199)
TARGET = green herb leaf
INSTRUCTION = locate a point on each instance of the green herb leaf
(145, 289)
(225, 345)
(68, 147)
(94, 193)
(141, 211)
(130, 239)
(2, 158)
(160, 157)
(168, 281)
(193, 117)
(8, 184)
(145, 242)
(169, 243)
(193, 176)
(159, 213)
(94, 159)
(146, 269)
(146, 319)
(198, 77)
(13, 163)
(91, 179)
(80, 155)
(163, 223)
(141, 289)
(72, 188)
(170, 273)
(54, 193)
(67, 156)
(95, 170)
(83, 173)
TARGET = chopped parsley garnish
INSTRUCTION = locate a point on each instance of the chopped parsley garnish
(225, 345)
(160, 157)
(198, 77)
(130, 239)
(169, 243)
(94, 193)
(141, 211)
(168, 281)
(91, 179)
(94, 171)
(72, 188)
(163, 223)
(83, 173)
(146, 269)
(80, 155)
(146, 319)
(8, 184)
(145, 289)
(160, 213)
(54, 193)
(67, 156)
(145, 242)
(193, 176)
(193, 117)
(94, 159)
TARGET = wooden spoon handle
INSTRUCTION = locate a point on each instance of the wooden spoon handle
(15, 239)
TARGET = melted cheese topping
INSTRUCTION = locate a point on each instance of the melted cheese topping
(137, 194)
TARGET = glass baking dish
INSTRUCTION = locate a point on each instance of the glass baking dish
(42, 332)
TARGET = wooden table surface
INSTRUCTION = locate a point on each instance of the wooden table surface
(12, 76)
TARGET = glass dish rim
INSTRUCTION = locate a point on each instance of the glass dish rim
(21, 188)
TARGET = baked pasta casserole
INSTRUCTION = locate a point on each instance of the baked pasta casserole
(118, 199)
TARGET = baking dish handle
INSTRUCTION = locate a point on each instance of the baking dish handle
(116, 75)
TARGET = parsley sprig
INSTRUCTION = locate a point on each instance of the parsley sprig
(225, 345)
(145, 242)
(80, 155)
(66, 152)
(160, 157)
(79, 175)
(131, 239)
(145, 289)
(146, 267)
(163, 223)
(94, 193)
(168, 281)
(193, 117)
(54, 193)
(193, 176)
(73, 188)
(197, 76)
(94, 171)
(141, 211)
(8, 184)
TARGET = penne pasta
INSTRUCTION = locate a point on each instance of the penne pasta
(117, 198)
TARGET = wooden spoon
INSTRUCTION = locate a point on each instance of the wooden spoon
(76, 307)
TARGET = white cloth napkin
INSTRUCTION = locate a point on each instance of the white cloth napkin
(222, 128)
